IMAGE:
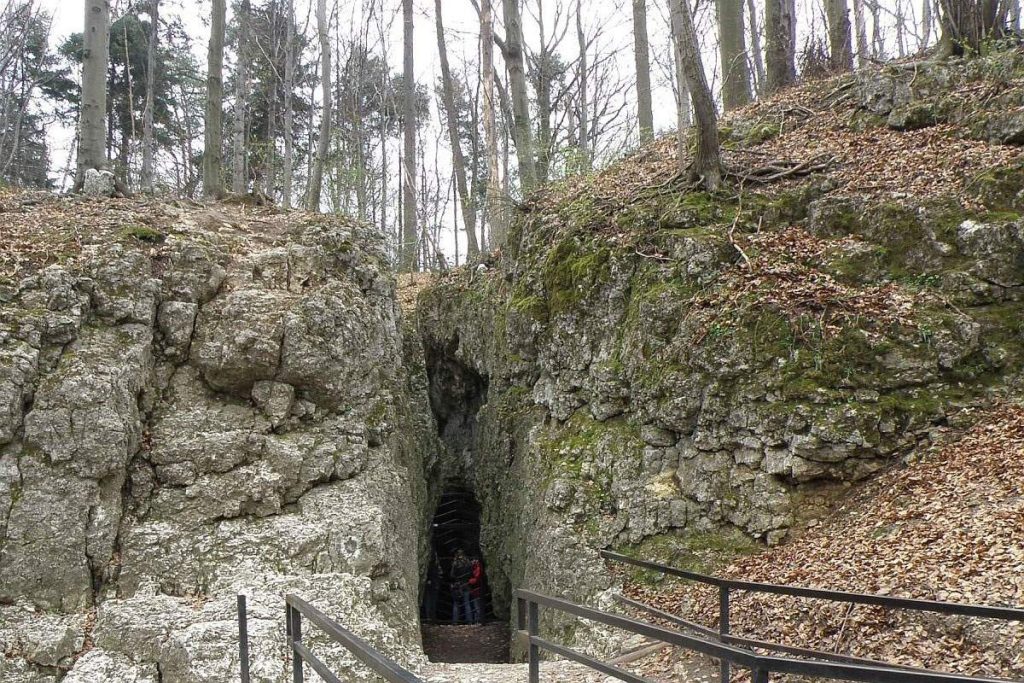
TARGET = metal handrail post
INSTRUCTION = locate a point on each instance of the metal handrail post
(723, 630)
(296, 637)
(759, 675)
(243, 639)
(533, 628)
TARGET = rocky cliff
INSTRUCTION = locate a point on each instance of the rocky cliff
(651, 368)
(201, 403)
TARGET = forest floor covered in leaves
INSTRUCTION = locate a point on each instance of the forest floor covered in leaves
(38, 229)
(948, 527)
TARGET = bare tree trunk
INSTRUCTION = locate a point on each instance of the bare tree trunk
(270, 139)
(239, 181)
(755, 45)
(316, 181)
(213, 147)
(92, 125)
(584, 108)
(458, 159)
(877, 44)
(495, 214)
(683, 120)
(707, 164)
(289, 114)
(522, 129)
(408, 260)
(926, 24)
(967, 23)
(780, 25)
(147, 114)
(860, 28)
(733, 53)
(840, 43)
(642, 58)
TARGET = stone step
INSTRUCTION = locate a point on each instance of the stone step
(550, 672)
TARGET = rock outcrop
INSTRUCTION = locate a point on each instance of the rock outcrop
(184, 423)
(679, 375)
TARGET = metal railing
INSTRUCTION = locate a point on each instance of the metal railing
(726, 586)
(296, 608)
(760, 666)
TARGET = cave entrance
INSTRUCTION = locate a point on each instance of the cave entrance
(450, 634)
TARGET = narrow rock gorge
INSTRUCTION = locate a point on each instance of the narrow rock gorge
(201, 401)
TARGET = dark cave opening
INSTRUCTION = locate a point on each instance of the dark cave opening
(457, 392)
(456, 527)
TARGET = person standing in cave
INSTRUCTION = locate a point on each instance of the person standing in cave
(461, 572)
(433, 588)
(476, 589)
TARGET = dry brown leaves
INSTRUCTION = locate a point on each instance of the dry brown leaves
(948, 528)
(409, 287)
(939, 162)
(780, 272)
(38, 229)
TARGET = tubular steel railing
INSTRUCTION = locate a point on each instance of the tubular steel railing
(837, 664)
(760, 666)
(296, 608)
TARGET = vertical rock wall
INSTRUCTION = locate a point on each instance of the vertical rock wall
(209, 418)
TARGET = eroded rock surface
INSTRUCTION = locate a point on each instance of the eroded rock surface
(182, 424)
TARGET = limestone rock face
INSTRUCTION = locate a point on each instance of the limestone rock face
(670, 399)
(202, 420)
(98, 183)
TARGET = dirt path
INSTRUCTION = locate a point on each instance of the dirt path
(476, 643)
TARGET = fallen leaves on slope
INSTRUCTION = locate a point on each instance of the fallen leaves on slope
(948, 528)
(38, 229)
(780, 273)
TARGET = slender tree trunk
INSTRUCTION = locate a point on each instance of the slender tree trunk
(213, 145)
(861, 31)
(642, 58)
(683, 120)
(926, 24)
(239, 181)
(755, 45)
(92, 125)
(147, 115)
(967, 23)
(289, 114)
(495, 214)
(270, 139)
(707, 165)
(458, 160)
(780, 25)
(409, 233)
(584, 144)
(733, 53)
(840, 43)
(522, 129)
(316, 181)
(877, 44)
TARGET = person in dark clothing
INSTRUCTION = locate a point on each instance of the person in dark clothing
(432, 589)
(476, 590)
(462, 570)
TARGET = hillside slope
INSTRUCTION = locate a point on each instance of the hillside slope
(691, 376)
(948, 527)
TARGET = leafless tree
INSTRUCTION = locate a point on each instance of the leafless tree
(213, 148)
(92, 124)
